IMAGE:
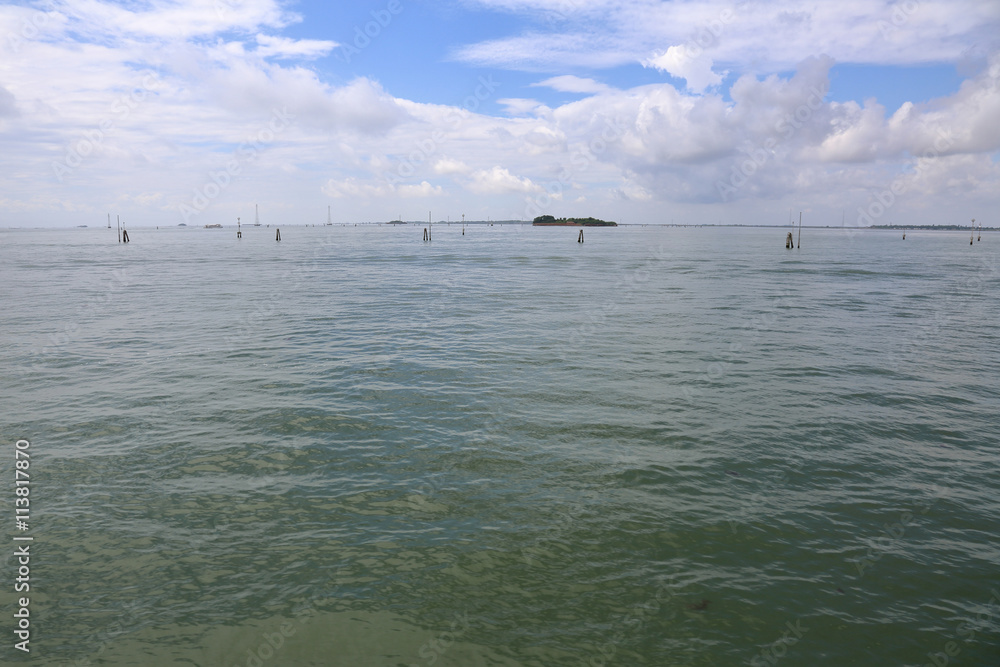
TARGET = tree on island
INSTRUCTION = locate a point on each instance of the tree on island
(586, 222)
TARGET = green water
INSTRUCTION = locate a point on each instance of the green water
(662, 446)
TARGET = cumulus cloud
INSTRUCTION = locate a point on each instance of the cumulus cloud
(694, 68)
(498, 181)
(446, 166)
(519, 106)
(424, 189)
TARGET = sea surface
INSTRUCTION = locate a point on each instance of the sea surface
(662, 446)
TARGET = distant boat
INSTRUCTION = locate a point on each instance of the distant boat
(215, 226)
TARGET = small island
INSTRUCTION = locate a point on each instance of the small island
(550, 221)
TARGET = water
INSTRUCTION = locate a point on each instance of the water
(662, 446)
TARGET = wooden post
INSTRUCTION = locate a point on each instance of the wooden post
(277, 234)
(579, 239)
(425, 233)
(800, 230)
(239, 232)
(119, 228)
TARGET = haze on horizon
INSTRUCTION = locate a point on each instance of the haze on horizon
(171, 111)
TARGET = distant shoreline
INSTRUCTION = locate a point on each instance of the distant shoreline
(248, 228)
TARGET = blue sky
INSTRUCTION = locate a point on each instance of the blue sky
(192, 111)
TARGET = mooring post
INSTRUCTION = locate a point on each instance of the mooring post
(239, 233)
(579, 239)
(277, 234)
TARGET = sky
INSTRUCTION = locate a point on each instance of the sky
(168, 112)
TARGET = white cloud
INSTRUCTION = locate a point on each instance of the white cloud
(269, 46)
(568, 83)
(498, 181)
(425, 189)
(773, 36)
(167, 19)
(680, 62)
(352, 187)
(446, 166)
(519, 106)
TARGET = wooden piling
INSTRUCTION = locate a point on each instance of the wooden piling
(277, 234)
(789, 243)
(800, 230)
(579, 239)
(425, 233)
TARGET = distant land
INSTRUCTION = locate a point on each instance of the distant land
(960, 228)
(550, 221)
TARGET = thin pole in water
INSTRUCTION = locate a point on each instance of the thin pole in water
(800, 230)
(973, 234)
(119, 228)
